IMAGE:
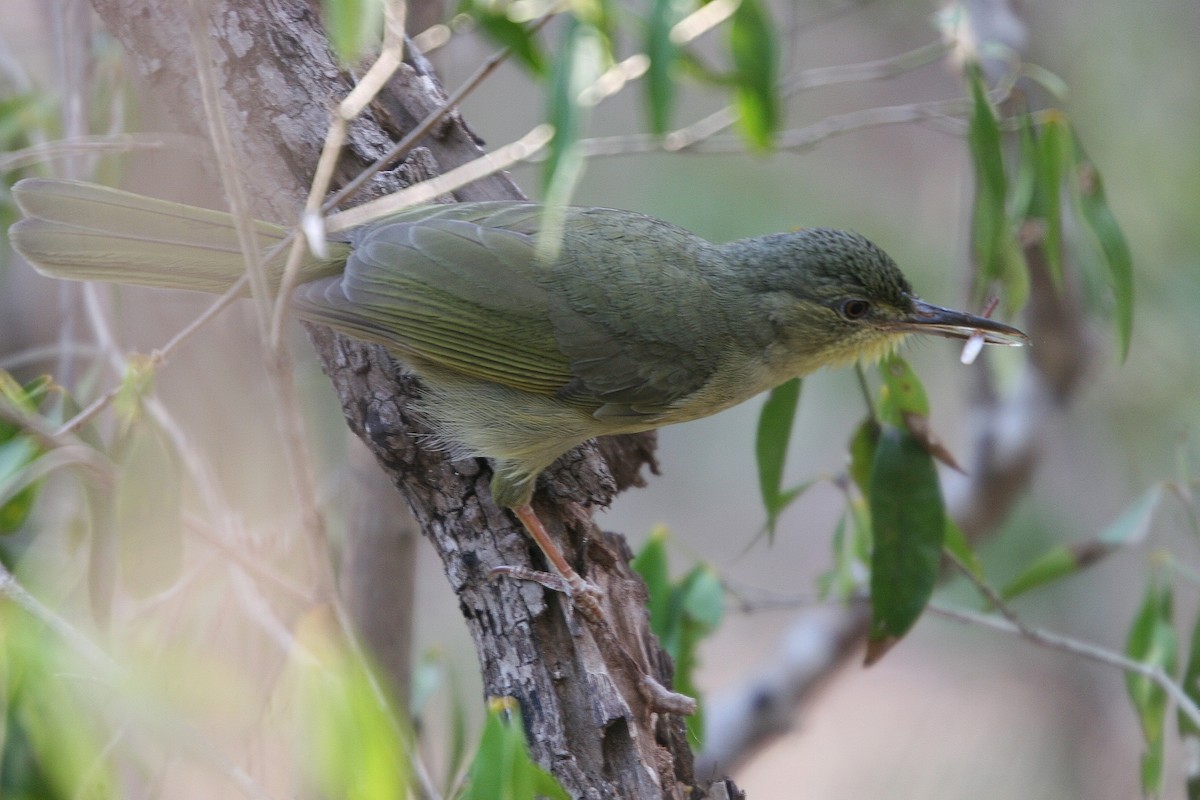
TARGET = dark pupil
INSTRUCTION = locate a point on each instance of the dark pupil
(855, 309)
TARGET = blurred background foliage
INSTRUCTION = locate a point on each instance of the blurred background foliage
(953, 711)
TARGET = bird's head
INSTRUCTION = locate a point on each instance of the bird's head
(834, 298)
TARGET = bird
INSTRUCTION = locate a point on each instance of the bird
(625, 323)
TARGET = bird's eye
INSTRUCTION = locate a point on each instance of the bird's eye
(854, 308)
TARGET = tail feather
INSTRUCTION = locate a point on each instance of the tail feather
(83, 231)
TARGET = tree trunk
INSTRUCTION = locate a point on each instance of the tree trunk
(582, 695)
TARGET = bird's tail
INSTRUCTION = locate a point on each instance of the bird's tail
(83, 231)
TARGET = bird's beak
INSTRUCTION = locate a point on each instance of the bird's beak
(937, 321)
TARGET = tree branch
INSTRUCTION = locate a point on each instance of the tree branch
(588, 721)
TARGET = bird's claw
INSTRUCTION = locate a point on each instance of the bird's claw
(585, 596)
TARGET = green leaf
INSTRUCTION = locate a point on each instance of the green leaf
(149, 510)
(1099, 219)
(996, 256)
(651, 564)
(494, 20)
(1055, 563)
(991, 185)
(1021, 195)
(663, 53)
(1133, 525)
(771, 445)
(682, 614)
(18, 450)
(957, 545)
(1067, 559)
(351, 744)
(1053, 161)
(1191, 682)
(1152, 642)
(862, 452)
(703, 597)
(578, 65)
(908, 521)
(23, 399)
(353, 26)
(904, 403)
(50, 747)
(17, 491)
(846, 577)
(702, 605)
(903, 392)
(755, 55)
(502, 768)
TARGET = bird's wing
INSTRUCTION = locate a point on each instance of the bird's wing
(637, 315)
(450, 292)
(464, 288)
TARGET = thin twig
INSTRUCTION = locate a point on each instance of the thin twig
(878, 69)
(488, 164)
(986, 589)
(227, 166)
(1067, 644)
(364, 92)
(203, 531)
(279, 366)
(80, 453)
(1013, 623)
(793, 140)
(83, 145)
(46, 352)
(160, 356)
(724, 118)
(431, 120)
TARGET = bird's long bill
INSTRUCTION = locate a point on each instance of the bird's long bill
(935, 320)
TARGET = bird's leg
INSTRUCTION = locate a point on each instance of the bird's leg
(582, 593)
(586, 597)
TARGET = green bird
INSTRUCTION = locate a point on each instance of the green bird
(630, 324)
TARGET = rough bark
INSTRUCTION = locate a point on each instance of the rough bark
(581, 694)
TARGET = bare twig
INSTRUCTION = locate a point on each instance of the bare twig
(381, 71)
(499, 159)
(106, 144)
(160, 356)
(1067, 644)
(794, 140)
(422, 128)
(279, 367)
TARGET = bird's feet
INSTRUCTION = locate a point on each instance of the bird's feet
(583, 595)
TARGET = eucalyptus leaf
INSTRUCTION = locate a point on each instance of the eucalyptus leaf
(1152, 642)
(651, 563)
(663, 53)
(1191, 681)
(502, 767)
(1100, 220)
(353, 26)
(996, 256)
(149, 511)
(579, 63)
(1053, 163)
(908, 523)
(956, 544)
(862, 452)
(771, 442)
(753, 45)
(502, 29)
